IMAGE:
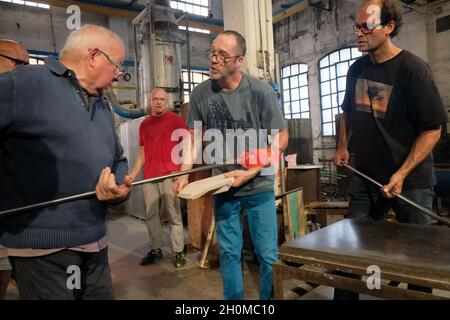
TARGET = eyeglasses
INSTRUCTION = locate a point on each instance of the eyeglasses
(119, 68)
(219, 56)
(365, 29)
(19, 63)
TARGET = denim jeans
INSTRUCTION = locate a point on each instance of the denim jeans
(261, 215)
(367, 202)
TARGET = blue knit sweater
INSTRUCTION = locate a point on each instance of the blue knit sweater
(54, 143)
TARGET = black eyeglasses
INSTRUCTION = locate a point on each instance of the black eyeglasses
(119, 68)
(366, 29)
(219, 56)
(19, 63)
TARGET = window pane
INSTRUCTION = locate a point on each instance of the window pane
(294, 69)
(287, 108)
(286, 71)
(326, 102)
(341, 83)
(304, 105)
(303, 68)
(334, 100)
(345, 54)
(303, 80)
(326, 115)
(198, 77)
(305, 115)
(295, 94)
(286, 96)
(333, 86)
(325, 86)
(285, 84)
(341, 97)
(296, 116)
(324, 62)
(325, 74)
(334, 57)
(328, 129)
(356, 53)
(294, 82)
(342, 69)
(304, 92)
(333, 72)
(204, 3)
(295, 106)
(352, 61)
(204, 12)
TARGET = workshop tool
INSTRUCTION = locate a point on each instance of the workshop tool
(92, 193)
(398, 195)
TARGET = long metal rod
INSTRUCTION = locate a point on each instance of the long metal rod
(92, 193)
(398, 195)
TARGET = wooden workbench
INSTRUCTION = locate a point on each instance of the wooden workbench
(405, 253)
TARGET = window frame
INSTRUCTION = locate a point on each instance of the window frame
(299, 86)
(335, 80)
(204, 9)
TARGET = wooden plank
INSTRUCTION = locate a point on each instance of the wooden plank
(285, 272)
(199, 215)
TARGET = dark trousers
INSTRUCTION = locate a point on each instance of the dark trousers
(64, 275)
(367, 202)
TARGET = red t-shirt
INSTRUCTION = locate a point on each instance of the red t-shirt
(155, 136)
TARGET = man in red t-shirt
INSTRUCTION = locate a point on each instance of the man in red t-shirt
(155, 155)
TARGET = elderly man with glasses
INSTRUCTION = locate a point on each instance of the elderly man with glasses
(392, 119)
(12, 55)
(58, 138)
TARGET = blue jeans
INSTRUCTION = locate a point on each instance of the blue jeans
(367, 202)
(262, 221)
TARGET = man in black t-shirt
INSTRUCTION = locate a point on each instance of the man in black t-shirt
(392, 119)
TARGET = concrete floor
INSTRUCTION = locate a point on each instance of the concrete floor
(128, 243)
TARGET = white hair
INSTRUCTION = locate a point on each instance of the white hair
(88, 37)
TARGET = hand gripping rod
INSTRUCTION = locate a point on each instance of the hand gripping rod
(414, 204)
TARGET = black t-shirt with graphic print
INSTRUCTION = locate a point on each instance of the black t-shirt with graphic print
(389, 105)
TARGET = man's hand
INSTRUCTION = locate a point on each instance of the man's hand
(395, 184)
(341, 155)
(242, 176)
(108, 189)
(179, 183)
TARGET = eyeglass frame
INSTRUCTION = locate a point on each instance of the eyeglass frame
(18, 63)
(118, 66)
(210, 53)
(357, 27)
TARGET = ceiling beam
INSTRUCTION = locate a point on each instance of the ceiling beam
(291, 11)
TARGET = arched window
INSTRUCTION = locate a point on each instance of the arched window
(332, 76)
(294, 80)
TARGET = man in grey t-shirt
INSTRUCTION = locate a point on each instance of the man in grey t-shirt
(232, 107)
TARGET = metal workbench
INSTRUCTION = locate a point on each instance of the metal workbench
(406, 253)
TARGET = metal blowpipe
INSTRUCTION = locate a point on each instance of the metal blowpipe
(398, 195)
(92, 193)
